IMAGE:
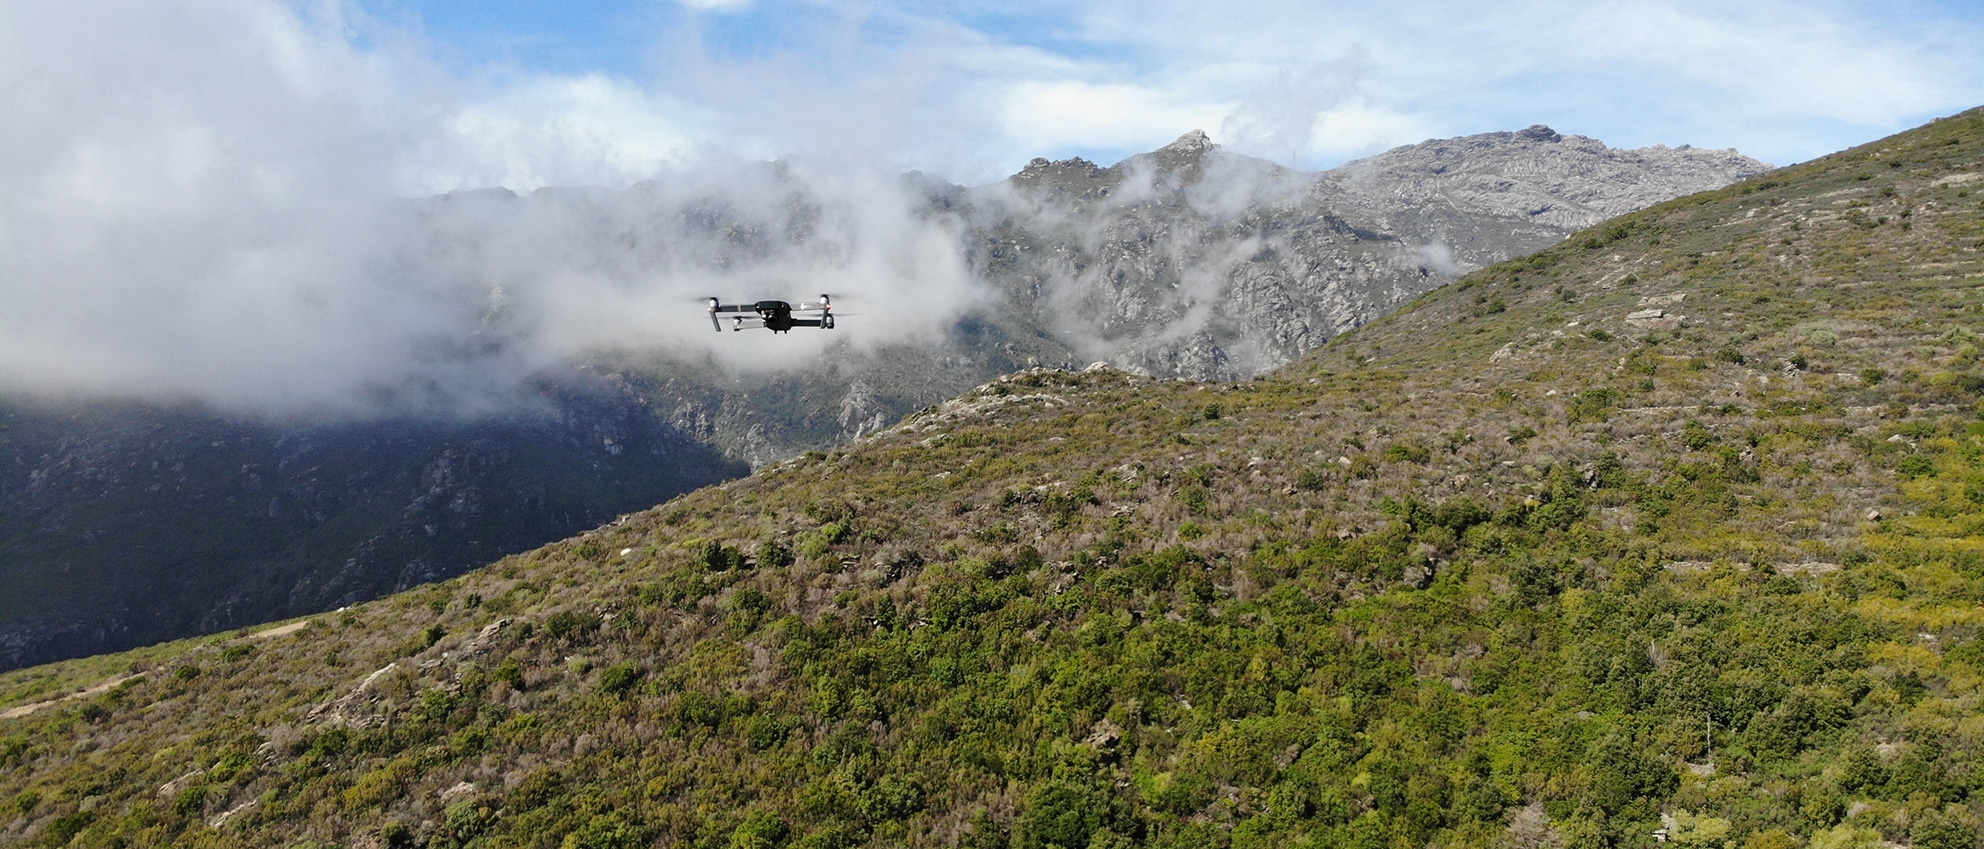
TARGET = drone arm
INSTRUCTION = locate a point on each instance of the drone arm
(718, 307)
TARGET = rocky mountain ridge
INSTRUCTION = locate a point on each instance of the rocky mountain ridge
(1188, 261)
(1194, 262)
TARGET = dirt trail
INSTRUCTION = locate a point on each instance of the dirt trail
(105, 686)
(99, 687)
(280, 630)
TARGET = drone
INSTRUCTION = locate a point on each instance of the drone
(775, 316)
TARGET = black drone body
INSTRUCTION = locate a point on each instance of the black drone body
(775, 316)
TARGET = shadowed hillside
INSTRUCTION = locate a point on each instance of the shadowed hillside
(128, 523)
(1677, 525)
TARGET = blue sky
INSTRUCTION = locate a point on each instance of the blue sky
(973, 89)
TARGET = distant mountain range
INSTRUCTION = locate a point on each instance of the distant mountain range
(1193, 262)
(124, 523)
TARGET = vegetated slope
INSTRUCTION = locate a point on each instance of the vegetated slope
(127, 523)
(1674, 525)
(124, 523)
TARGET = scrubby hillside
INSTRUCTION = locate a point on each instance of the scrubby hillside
(1678, 525)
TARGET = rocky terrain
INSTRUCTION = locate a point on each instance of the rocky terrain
(126, 523)
(1198, 263)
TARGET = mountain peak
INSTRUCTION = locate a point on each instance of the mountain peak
(1539, 132)
(1194, 143)
(1184, 157)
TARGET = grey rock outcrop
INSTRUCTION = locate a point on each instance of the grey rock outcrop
(1194, 262)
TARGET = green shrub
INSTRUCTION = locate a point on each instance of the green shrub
(571, 624)
(466, 821)
(761, 829)
(1071, 810)
(619, 678)
(610, 830)
(718, 557)
(773, 555)
(1407, 452)
(509, 673)
(191, 801)
(891, 798)
(1939, 830)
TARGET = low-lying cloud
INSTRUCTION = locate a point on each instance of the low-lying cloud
(234, 200)
(210, 200)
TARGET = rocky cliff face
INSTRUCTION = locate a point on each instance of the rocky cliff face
(1194, 262)
(122, 524)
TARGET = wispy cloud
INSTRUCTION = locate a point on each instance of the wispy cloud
(1067, 114)
(593, 130)
(1778, 79)
(974, 90)
(207, 198)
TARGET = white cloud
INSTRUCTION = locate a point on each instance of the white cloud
(197, 197)
(1780, 79)
(716, 5)
(198, 200)
(185, 193)
(558, 131)
(1060, 114)
(1361, 129)
(1781, 56)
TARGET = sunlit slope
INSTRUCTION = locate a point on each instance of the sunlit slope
(1677, 525)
